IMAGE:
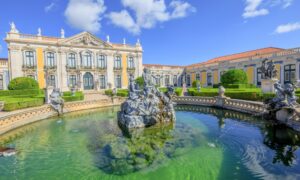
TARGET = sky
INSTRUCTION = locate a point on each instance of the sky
(172, 32)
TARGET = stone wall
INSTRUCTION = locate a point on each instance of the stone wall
(31, 115)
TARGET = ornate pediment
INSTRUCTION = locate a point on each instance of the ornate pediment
(85, 39)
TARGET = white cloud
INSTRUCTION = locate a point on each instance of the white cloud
(287, 3)
(148, 13)
(85, 14)
(49, 7)
(124, 20)
(285, 28)
(252, 9)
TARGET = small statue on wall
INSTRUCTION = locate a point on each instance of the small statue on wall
(56, 101)
(268, 69)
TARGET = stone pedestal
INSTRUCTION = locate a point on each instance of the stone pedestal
(267, 85)
(284, 114)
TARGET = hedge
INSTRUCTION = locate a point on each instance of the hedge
(23, 103)
(21, 83)
(67, 96)
(234, 76)
(120, 92)
(24, 92)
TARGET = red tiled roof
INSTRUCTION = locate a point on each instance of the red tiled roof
(240, 55)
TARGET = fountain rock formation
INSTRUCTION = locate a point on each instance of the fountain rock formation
(146, 107)
(56, 101)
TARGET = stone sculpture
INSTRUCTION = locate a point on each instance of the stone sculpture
(268, 70)
(146, 107)
(56, 101)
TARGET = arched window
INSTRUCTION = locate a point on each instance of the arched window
(101, 61)
(117, 63)
(72, 60)
(258, 76)
(175, 80)
(188, 80)
(29, 59)
(50, 59)
(130, 62)
(72, 81)
(51, 80)
(198, 77)
(209, 79)
(102, 82)
(87, 60)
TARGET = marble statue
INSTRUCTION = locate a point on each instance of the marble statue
(221, 91)
(146, 107)
(56, 101)
(268, 70)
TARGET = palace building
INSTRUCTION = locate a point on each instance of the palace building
(88, 63)
(82, 61)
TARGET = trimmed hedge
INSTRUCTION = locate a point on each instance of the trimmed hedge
(24, 92)
(23, 103)
(234, 76)
(21, 83)
(120, 92)
(67, 96)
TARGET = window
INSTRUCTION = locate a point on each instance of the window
(29, 59)
(51, 80)
(258, 76)
(118, 81)
(117, 64)
(50, 59)
(102, 82)
(167, 80)
(130, 62)
(72, 60)
(157, 80)
(197, 77)
(72, 81)
(188, 80)
(289, 73)
(87, 60)
(209, 79)
(102, 61)
(175, 80)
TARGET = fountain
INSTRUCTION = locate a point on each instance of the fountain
(146, 107)
(56, 101)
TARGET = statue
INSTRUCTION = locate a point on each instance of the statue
(221, 91)
(146, 107)
(62, 33)
(268, 70)
(56, 101)
(13, 28)
(39, 32)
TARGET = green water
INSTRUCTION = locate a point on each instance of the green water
(204, 143)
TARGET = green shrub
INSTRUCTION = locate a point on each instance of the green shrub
(108, 92)
(140, 82)
(24, 92)
(19, 103)
(67, 96)
(120, 92)
(234, 76)
(178, 91)
(163, 89)
(21, 83)
(194, 83)
(239, 86)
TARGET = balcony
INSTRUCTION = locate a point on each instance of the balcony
(86, 67)
(50, 67)
(29, 67)
(130, 69)
(117, 68)
(70, 67)
(101, 68)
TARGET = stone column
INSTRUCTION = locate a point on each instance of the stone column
(110, 69)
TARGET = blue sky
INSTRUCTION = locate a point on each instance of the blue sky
(175, 32)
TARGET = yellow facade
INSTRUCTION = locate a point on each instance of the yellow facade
(40, 67)
(193, 77)
(203, 78)
(216, 77)
(250, 74)
(124, 70)
(277, 66)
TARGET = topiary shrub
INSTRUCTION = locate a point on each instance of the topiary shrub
(234, 76)
(194, 84)
(21, 83)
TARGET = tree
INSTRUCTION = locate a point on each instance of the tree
(21, 83)
(234, 76)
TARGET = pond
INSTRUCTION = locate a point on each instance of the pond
(204, 143)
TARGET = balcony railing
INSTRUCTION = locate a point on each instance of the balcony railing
(101, 67)
(32, 67)
(70, 67)
(130, 68)
(50, 67)
(86, 67)
(117, 68)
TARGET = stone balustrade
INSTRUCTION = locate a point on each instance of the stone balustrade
(31, 115)
(250, 107)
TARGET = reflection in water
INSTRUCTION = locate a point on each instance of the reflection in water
(284, 141)
(121, 153)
